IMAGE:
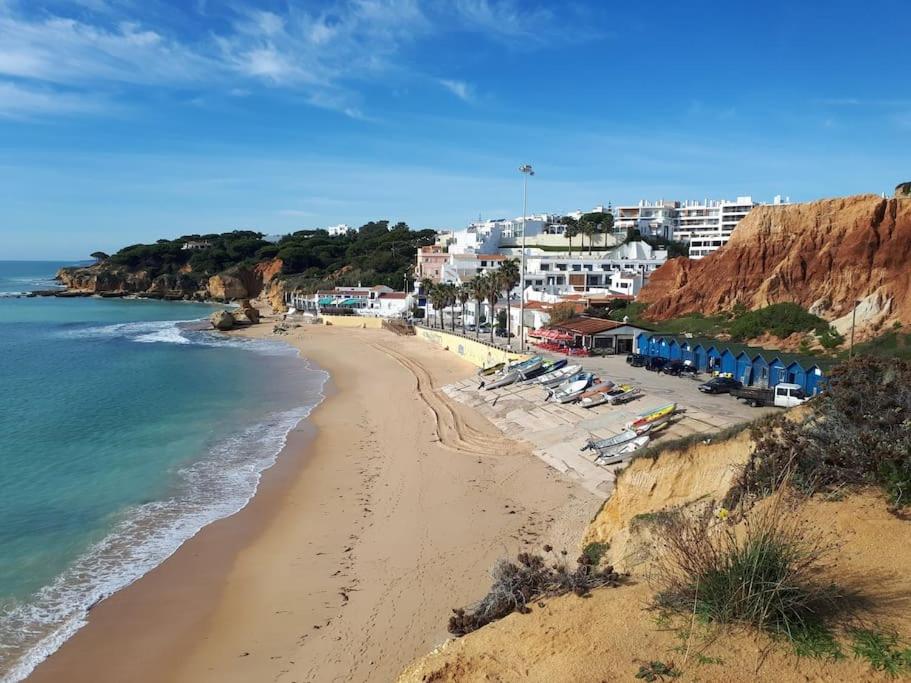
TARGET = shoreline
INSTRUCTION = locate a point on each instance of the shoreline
(192, 617)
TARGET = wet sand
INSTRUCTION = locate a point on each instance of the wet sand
(386, 509)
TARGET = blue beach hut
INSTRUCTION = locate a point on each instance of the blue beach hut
(642, 343)
(713, 359)
(743, 367)
(673, 349)
(728, 361)
(796, 374)
(664, 348)
(654, 346)
(699, 358)
(814, 380)
(686, 351)
(776, 372)
(760, 371)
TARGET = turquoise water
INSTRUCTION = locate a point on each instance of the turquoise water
(124, 429)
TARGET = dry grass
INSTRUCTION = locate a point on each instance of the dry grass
(531, 578)
(764, 572)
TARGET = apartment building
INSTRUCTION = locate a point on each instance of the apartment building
(655, 219)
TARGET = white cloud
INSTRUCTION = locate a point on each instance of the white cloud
(325, 55)
(17, 101)
(460, 89)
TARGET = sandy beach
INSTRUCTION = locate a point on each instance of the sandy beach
(386, 509)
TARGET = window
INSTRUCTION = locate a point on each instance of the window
(545, 267)
(577, 267)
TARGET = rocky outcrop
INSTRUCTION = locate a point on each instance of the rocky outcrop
(222, 320)
(824, 255)
(238, 282)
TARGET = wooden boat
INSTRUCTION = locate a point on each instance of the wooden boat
(503, 380)
(607, 396)
(558, 376)
(571, 390)
(652, 415)
(615, 440)
(491, 370)
(597, 388)
(545, 367)
(621, 452)
(624, 394)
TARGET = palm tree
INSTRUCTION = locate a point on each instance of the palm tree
(509, 276)
(426, 290)
(438, 299)
(479, 292)
(451, 299)
(588, 229)
(493, 293)
(464, 293)
(572, 229)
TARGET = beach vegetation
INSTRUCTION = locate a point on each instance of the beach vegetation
(657, 670)
(765, 574)
(857, 433)
(884, 651)
(528, 579)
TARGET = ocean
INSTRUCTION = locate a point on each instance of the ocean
(124, 429)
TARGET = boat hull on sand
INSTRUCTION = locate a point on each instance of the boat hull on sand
(558, 376)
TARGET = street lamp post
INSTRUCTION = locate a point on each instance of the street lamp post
(526, 170)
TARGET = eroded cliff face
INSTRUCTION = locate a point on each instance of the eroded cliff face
(824, 255)
(240, 282)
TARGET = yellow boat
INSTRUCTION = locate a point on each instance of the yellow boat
(653, 415)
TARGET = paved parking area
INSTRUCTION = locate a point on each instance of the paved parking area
(557, 432)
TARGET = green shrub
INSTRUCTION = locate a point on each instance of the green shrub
(884, 651)
(766, 576)
(780, 320)
(858, 432)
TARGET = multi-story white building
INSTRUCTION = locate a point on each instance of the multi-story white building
(339, 230)
(704, 225)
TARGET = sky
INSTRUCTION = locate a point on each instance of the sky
(124, 121)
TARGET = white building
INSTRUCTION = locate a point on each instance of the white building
(708, 225)
(379, 301)
(339, 230)
(655, 219)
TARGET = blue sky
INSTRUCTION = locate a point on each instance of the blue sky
(128, 120)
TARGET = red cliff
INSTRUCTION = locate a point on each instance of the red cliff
(823, 255)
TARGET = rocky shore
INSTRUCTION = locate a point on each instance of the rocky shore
(238, 283)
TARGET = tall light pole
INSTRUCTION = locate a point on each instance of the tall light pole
(526, 170)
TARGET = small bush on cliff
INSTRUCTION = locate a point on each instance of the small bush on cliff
(780, 320)
(530, 578)
(765, 575)
(858, 432)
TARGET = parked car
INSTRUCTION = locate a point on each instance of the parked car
(637, 360)
(503, 333)
(679, 367)
(720, 385)
(782, 395)
(655, 364)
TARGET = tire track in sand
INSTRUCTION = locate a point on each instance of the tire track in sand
(452, 430)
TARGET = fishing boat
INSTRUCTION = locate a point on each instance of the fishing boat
(522, 364)
(503, 380)
(599, 444)
(491, 369)
(546, 368)
(590, 399)
(530, 368)
(623, 394)
(558, 376)
(570, 391)
(619, 453)
(652, 415)
(597, 388)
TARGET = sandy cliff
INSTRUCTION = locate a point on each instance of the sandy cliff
(823, 255)
(606, 636)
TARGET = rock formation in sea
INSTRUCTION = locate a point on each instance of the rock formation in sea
(825, 256)
(240, 282)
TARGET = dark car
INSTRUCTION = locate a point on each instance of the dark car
(678, 368)
(503, 333)
(655, 364)
(637, 360)
(720, 385)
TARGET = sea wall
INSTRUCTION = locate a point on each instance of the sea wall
(475, 352)
(358, 321)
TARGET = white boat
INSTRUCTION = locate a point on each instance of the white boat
(621, 452)
(558, 376)
(623, 396)
(570, 391)
(620, 438)
(592, 398)
(529, 368)
(503, 380)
